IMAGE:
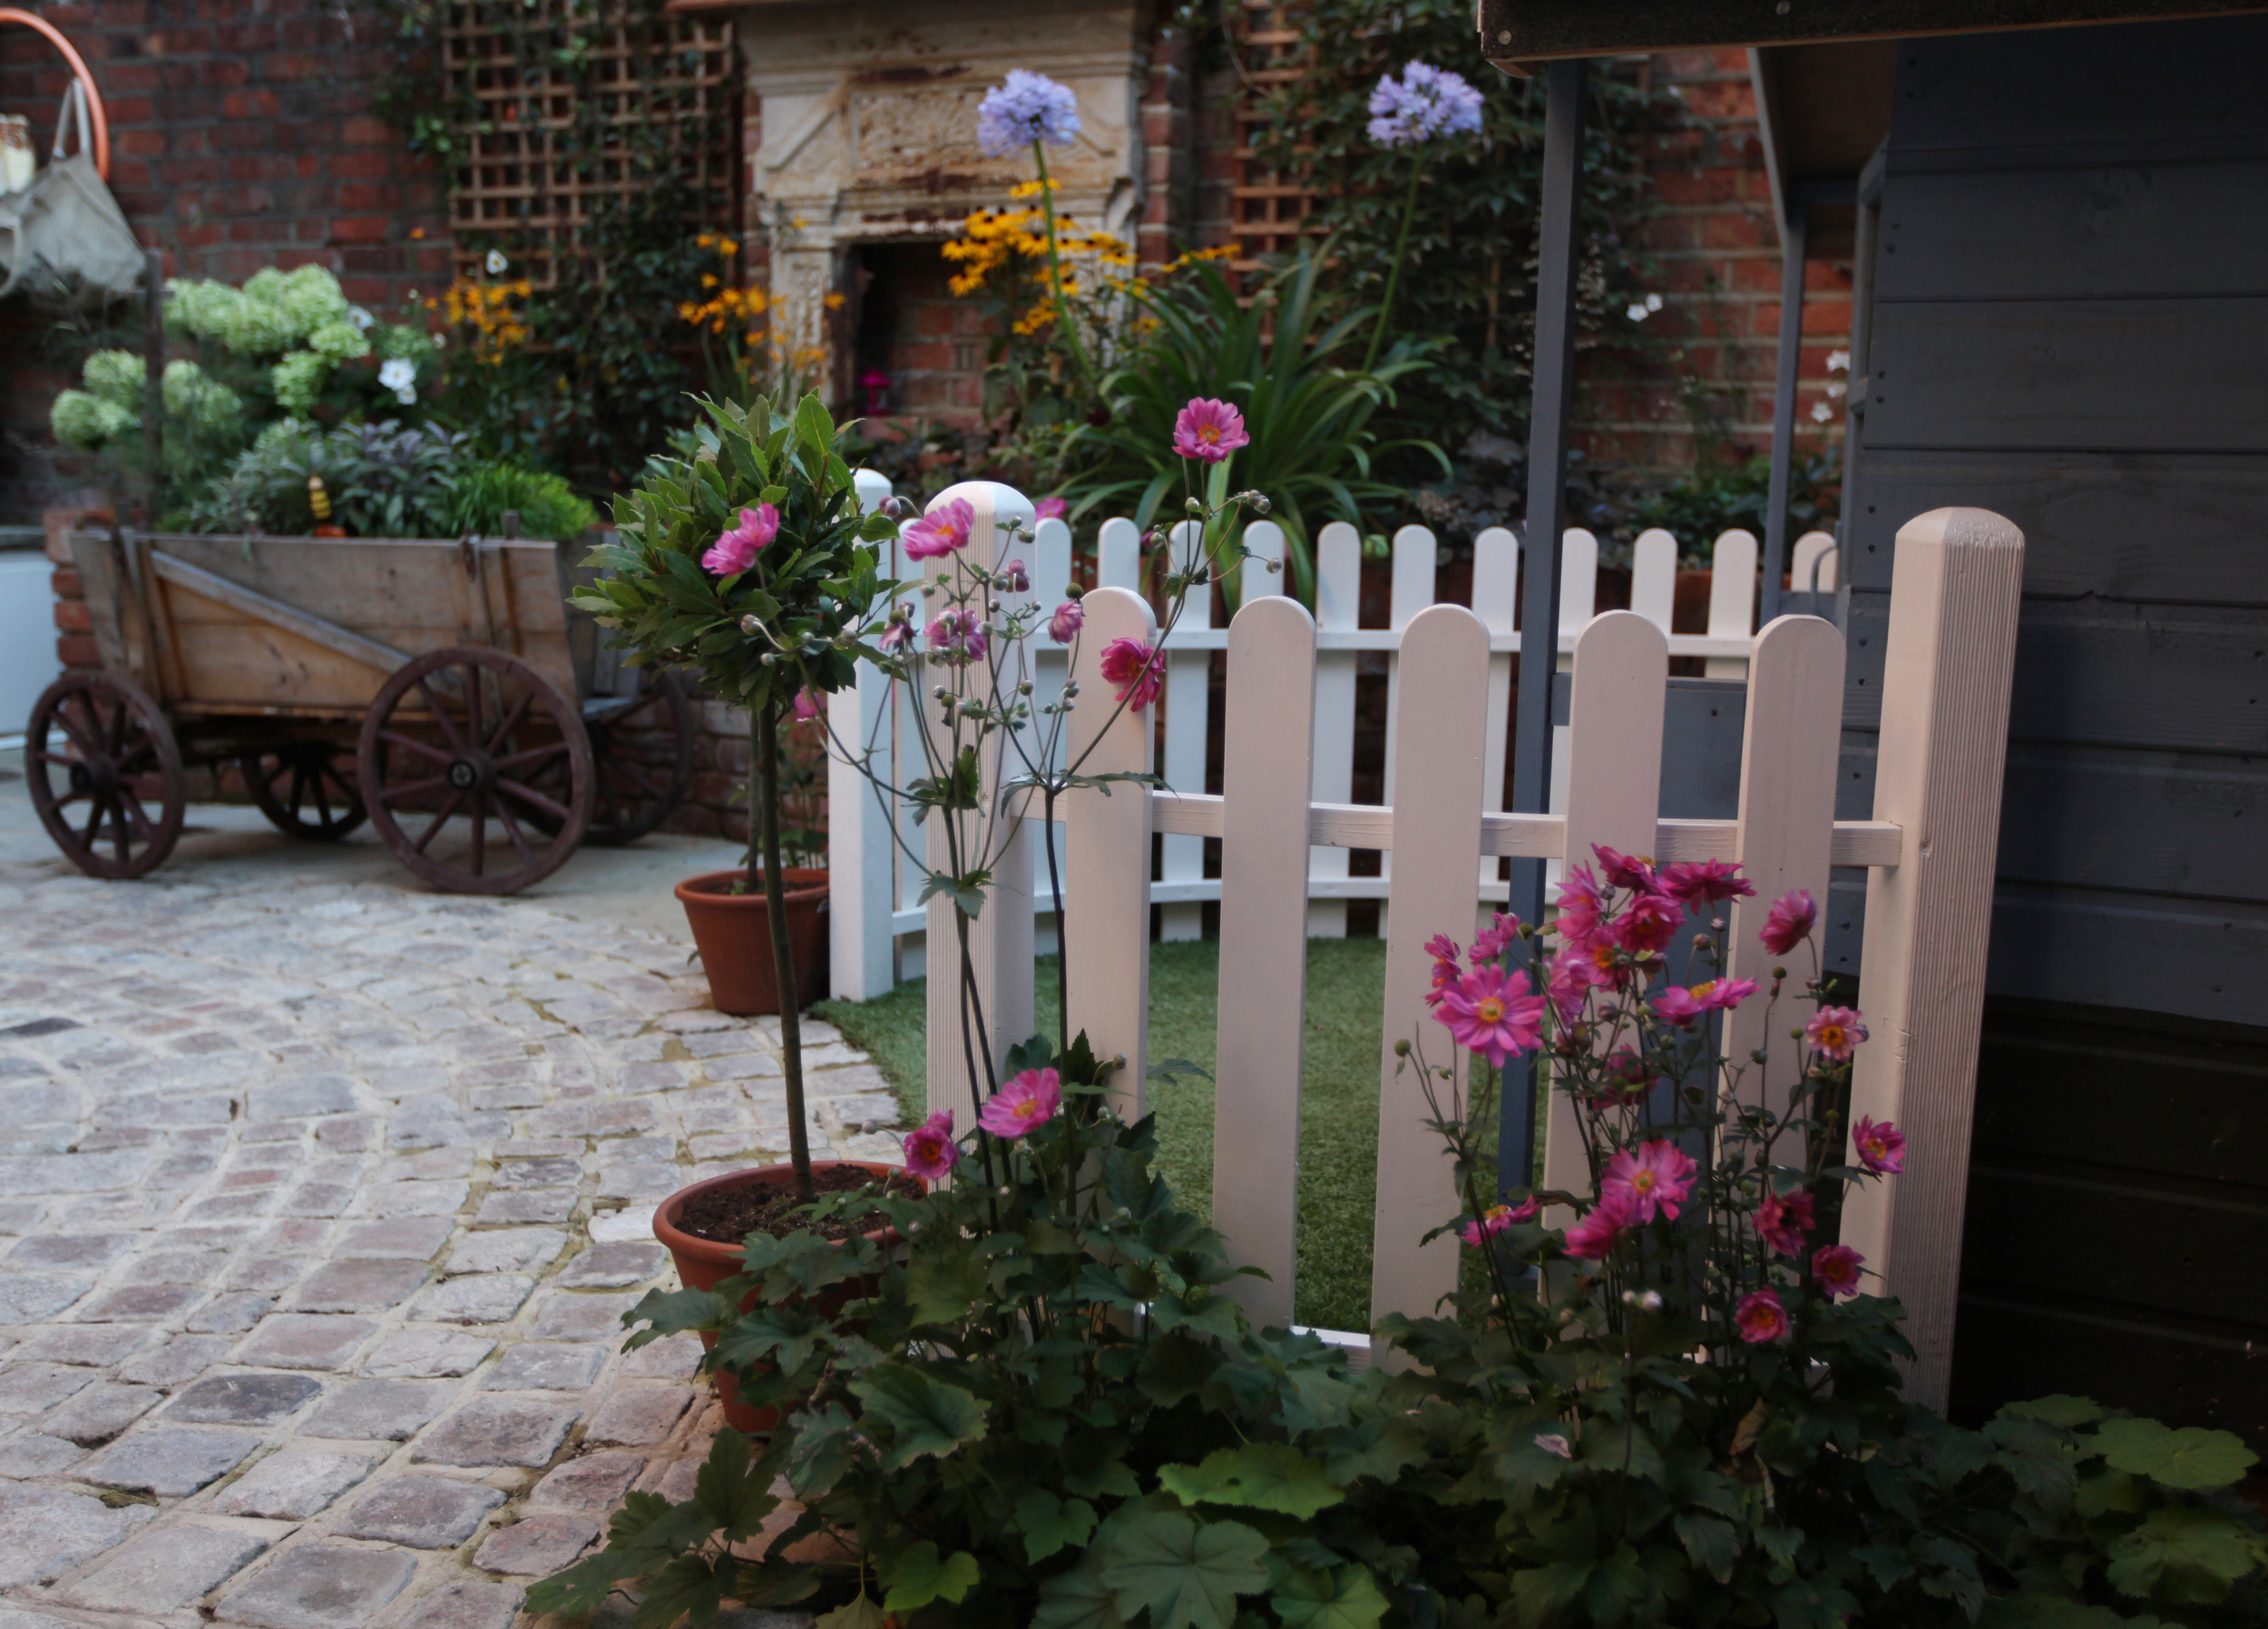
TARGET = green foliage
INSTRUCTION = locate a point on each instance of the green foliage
(482, 496)
(792, 618)
(1720, 495)
(290, 343)
(1307, 409)
(1466, 281)
(382, 480)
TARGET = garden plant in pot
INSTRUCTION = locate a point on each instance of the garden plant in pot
(753, 563)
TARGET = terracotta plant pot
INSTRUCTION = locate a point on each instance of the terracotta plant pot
(703, 1264)
(733, 934)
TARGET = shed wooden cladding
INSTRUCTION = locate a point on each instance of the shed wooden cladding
(524, 106)
(311, 626)
(2070, 326)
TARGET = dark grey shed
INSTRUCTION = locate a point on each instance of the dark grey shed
(2057, 216)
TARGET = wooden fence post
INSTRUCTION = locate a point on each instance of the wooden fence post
(1948, 658)
(1443, 704)
(1000, 938)
(1188, 688)
(1732, 599)
(1265, 761)
(1338, 610)
(1106, 842)
(1495, 593)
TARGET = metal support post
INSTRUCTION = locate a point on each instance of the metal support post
(1793, 232)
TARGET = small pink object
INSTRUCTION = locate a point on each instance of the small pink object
(1625, 871)
(1593, 1238)
(1835, 1032)
(1836, 1269)
(807, 704)
(1782, 1220)
(1134, 668)
(1761, 1320)
(1646, 925)
(1014, 577)
(1579, 904)
(1028, 1100)
(1052, 509)
(930, 1150)
(1718, 995)
(1880, 1146)
(1491, 1012)
(1494, 1221)
(940, 531)
(1069, 618)
(1705, 881)
(1654, 1177)
(955, 637)
(1208, 430)
(736, 551)
(1491, 941)
(1790, 922)
(1446, 972)
(897, 634)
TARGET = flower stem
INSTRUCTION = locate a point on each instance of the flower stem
(1055, 272)
(766, 746)
(1394, 271)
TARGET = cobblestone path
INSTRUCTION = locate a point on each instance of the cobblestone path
(318, 1206)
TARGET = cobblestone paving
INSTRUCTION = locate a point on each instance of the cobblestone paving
(318, 1206)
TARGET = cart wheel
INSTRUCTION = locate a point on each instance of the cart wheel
(99, 755)
(455, 744)
(643, 754)
(306, 789)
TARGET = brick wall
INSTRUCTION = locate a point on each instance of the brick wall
(240, 137)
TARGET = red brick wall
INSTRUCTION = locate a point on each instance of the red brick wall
(1719, 252)
(240, 137)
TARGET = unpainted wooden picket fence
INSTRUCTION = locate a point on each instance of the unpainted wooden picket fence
(872, 919)
(1930, 853)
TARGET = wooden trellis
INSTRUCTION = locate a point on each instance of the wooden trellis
(546, 144)
(1267, 207)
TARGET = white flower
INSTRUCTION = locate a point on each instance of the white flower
(496, 263)
(1837, 389)
(1838, 362)
(440, 339)
(1821, 413)
(1640, 310)
(361, 319)
(1551, 1442)
(400, 376)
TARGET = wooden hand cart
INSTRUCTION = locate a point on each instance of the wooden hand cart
(443, 689)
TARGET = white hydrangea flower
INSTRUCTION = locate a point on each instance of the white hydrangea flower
(400, 376)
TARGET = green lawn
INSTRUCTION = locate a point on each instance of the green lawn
(1338, 1134)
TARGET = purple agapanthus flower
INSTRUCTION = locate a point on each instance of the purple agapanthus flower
(1031, 107)
(1426, 102)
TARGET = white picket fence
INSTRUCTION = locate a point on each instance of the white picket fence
(878, 926)
(1929, 849)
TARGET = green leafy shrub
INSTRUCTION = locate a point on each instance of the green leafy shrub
(481, 496)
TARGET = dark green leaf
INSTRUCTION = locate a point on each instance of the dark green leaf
(1259, 1476)
(2191, 1457)
(1185, 1576)
(1050, 1524)
(926, 1415)
(1345, 1598)
(921, 1576)
(691, 1587)
(1710, 1541)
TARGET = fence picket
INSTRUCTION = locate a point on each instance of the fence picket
(1947, 665)
(1437, 760)
(1732, 599)
(1495, 592)
(1266, 764)
(1654, 577)
(1265, 540)
(1106, 844)
(1338, 608)
(1118, 555)
(1000, 938)
(1188, 688)
(1614, 790)
(1415, 555)
(862, 948)
(1814, 550)
(1787, 815)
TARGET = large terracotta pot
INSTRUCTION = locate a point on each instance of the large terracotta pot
(733, 934)
(703, 1264)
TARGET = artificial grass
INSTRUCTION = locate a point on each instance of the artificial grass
(1338, 1129)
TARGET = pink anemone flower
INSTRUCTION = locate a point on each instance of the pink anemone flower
(1490, 1012)
(1579, 904)
(930, 1150)
(1835, 1032)
(1625, 871)
(1761, 1320)
(940, 531)
(1705, 881)
(1495, 1219)
(1492, 942)
(1880, 1146)
(1022, 1104)
(1683, 1006)
(1051, 509)
(1069, 618)
(955, 637)
(1593, 1238)
(1208, 430)
(1134, 668)
(1835, 1268)
(808, 705)
(1446, 972)
(1654, 1177)
(736, 550)
(1646, 924)
(1782, 1220)
(1790, 922)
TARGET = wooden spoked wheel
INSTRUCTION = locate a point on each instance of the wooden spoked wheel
(306, 788)
(106, 774)
(642, 752)
(455, 753)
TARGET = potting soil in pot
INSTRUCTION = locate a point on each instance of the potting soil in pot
(728, 1214)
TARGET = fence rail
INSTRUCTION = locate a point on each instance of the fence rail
(1929, 852)
(874, 922)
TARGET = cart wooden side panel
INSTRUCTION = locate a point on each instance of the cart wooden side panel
(312, 627)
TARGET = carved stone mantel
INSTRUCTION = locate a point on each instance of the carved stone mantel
(868, 119)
